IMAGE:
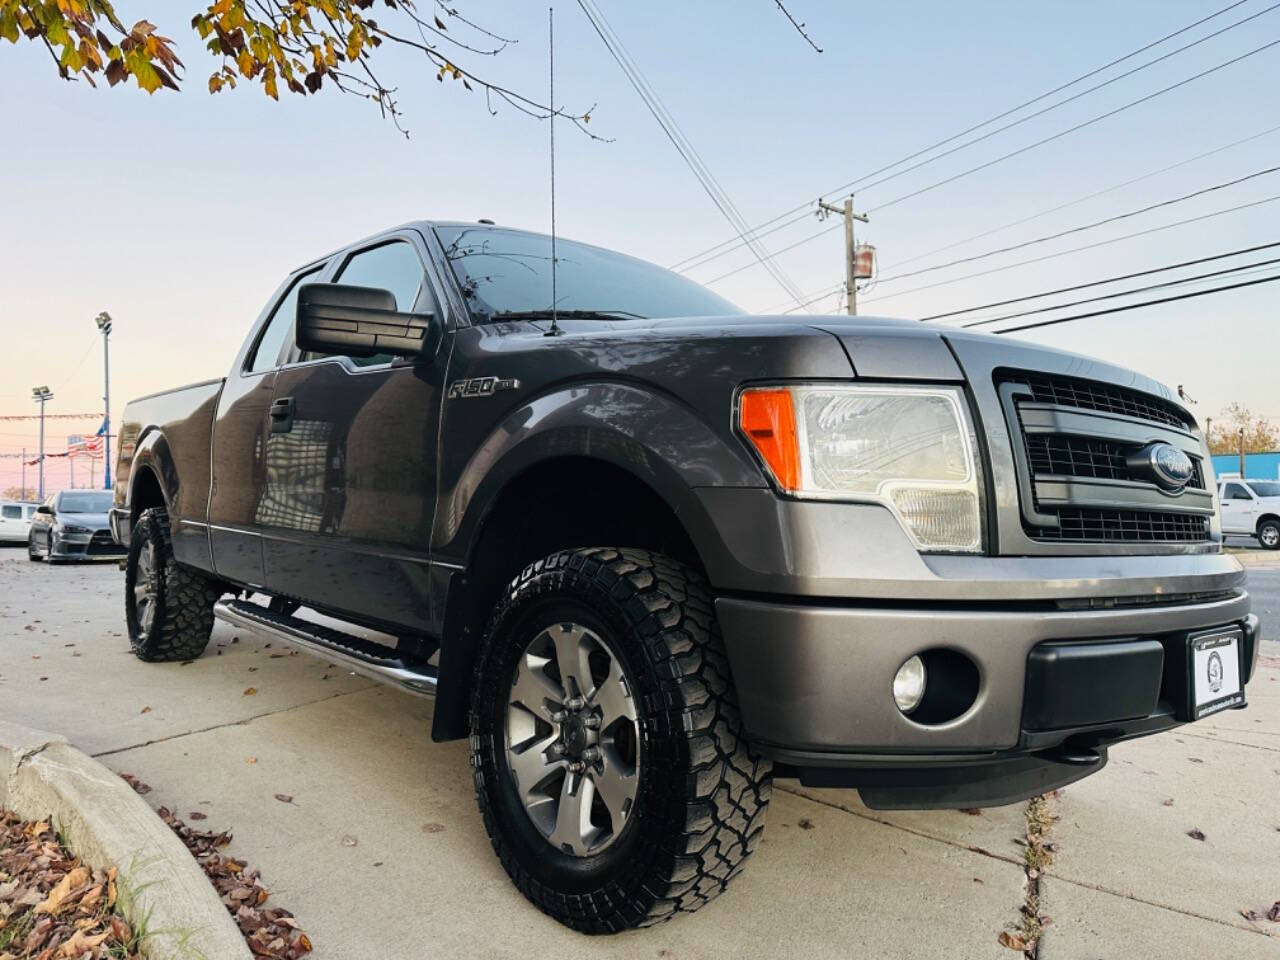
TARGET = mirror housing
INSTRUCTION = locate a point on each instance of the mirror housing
(45, 509)
(356, 321)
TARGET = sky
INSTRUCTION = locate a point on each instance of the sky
(181, 212)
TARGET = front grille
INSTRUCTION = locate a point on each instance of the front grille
(1068, 456)
(1104, 397)
(102, 543)
(1075, 482)
(1125, 526)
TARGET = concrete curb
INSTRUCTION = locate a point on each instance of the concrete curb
(107, 824)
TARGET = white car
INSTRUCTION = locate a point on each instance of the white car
(1251, 508)
(15, 520)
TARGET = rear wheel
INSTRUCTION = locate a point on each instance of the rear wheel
(1269, 534)
(168, 607)
(610, 765)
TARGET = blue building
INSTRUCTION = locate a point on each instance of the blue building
(1257, 466)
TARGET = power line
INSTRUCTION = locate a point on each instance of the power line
(1021, 150)
(1090, 196)
(1087, 226)
(1079, 126)
(682, 144)
(1136, 306)
(1098, 283)
(1124, 293)
(1087, 246)
(978, 126)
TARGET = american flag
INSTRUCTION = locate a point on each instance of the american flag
(82, 446)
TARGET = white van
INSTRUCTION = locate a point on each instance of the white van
(15, 520)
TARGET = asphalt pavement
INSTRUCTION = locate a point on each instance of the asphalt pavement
(380, 851)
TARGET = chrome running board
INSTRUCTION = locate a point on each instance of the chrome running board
(369, 659)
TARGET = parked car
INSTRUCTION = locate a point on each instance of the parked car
(72, 525)
(1251, 508)
(15, 520)
(648, 552)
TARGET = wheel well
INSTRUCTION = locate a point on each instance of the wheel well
(570, 502)
(147, 493)
(558, 504)
(1274, 518)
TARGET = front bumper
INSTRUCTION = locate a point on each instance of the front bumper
(96, 543)
(814, 684)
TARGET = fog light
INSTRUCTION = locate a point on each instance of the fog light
(908, 685)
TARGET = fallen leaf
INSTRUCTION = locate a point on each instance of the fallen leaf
(53, 903)
(971, 811)
(349, 841)
(1169, 802)
(250, 759)
(1274, 913)
(250, 691)
(144, 710)
(1195, 833)
(1013, 941)
(197, 815)
(1251, 915)
(1195, 759)
(432, 827)
(804, 823)
(284, 798)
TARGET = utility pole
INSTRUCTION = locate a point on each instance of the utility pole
(23, 494)
(41, 395)
(1242, 453)
(103, 320)
(846, 210)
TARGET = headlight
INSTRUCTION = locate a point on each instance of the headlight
(72, 528)
(909, 448)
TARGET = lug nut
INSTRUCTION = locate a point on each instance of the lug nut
(577, 766)
(575, 703)
(559, 716)
(592, 722)
(591, 754)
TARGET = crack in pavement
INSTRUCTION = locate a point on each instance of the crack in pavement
(231, 723)
(980, 851)
(1238, 743)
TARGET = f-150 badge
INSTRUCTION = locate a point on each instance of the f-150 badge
(481, 386)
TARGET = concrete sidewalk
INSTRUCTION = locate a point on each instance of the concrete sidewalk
(831, 879)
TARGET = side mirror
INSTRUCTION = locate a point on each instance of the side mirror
(361, 322)
(45, 509)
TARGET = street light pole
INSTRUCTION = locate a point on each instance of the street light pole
(103, 320)
(41, 395)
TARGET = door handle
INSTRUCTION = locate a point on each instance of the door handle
(282, 415)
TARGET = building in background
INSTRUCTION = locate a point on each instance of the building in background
(1257, 466)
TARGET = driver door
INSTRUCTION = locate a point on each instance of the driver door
(351, 461)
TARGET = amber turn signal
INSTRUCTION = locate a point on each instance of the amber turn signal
(767, 418)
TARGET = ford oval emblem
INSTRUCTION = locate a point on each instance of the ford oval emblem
(1165, 464)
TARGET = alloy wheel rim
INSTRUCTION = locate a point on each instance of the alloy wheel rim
(1270, 536)
(146, 588)
(572, 739)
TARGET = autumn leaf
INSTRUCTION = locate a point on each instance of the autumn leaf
(250, 691)
(1195, 833)
(1013, 941)
(54, 902)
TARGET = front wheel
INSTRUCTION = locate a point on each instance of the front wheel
(32, 555)
(1269, 534)
(611, 769)
(168, 608)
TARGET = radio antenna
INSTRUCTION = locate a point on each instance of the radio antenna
(551, 120)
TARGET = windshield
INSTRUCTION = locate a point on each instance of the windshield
(1266, 488)
(509, 271)
(84, 501)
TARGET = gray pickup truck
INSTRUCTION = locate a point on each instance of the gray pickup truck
(650, 552)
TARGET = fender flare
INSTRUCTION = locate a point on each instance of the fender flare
(152, 454)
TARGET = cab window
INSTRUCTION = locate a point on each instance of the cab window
(1235, 491)
(279, 329)
(393, 266)
(11, 513)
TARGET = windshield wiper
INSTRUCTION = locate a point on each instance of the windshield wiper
(580, 314)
